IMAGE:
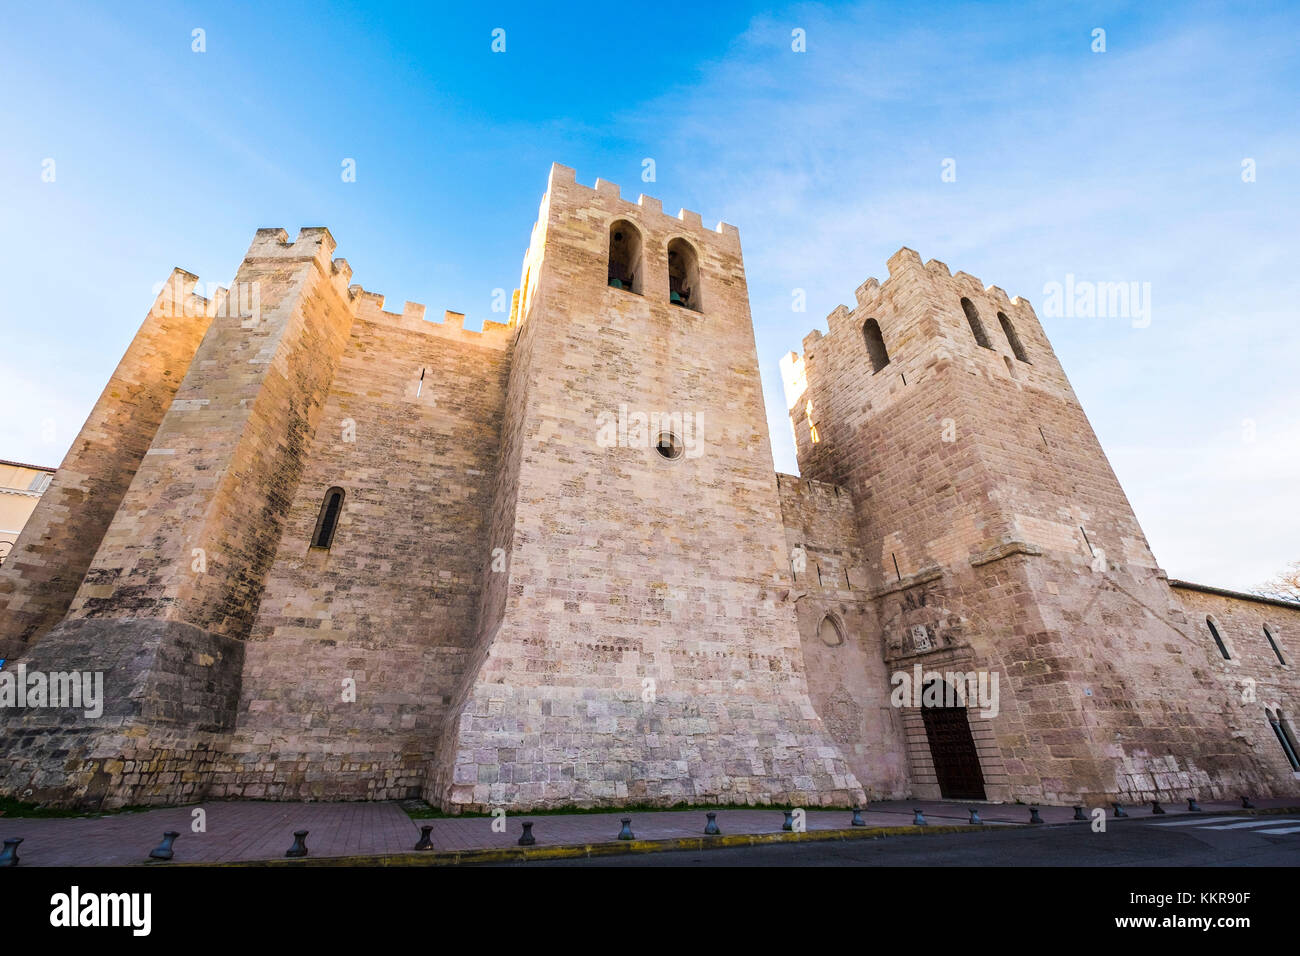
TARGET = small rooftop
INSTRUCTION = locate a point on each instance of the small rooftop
(23, 464)
(1242, 595)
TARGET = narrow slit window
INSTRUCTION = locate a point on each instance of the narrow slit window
(1013, 339)
(1277, 651)
(1284, 740)
(328, 520)
(1288, 731)
(976, 324)
(1214, 633)
(875, 345)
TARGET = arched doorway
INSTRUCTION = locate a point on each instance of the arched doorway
(952, 748)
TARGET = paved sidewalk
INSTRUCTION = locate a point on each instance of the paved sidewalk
(235, 831)
(243, 831)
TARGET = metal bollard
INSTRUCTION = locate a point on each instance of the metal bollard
(789, 820)
(918, 818)
(626, 832)
(1193, 806)
(711, 828)
(1246, 804)
(975, 816)
(1156, 807)
(1119, 811)
(163, 851)
(1079, 814)
(527, 839)
(857, 818)
(425, 843)
(1033, 815)
(299, 847)
(9, 855)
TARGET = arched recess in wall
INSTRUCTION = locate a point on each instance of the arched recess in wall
(976, 324)
(1284, 739)
(1272, 642)
(684, 276)
(1017, 347)
(1218, 638)
(327, 521)
(831, 631)
(875, 345)
(625, 256)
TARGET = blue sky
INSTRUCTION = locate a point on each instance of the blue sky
(1115, 166)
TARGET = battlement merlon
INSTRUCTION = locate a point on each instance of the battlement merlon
(812, 486)
(369, 307)
(314, 243)
(907, 262)
(177, 296)
(563, 179)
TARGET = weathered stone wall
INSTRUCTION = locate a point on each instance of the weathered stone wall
(410, 433)
(183, 562)
(1253, 681)
(627, 567)
(847, 681)
(50, 558)
(501, 530)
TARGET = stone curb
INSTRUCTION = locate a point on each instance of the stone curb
(609, 848)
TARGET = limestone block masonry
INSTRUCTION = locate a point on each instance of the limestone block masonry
(321, 550)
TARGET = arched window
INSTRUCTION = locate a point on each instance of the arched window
(829, 631)
(1274, 721)
(328, 520)
(625, 256)
(1277, 651)
(875, 345)
(1013, 339)
(1214, 632)
(976, 326)
(684, 276)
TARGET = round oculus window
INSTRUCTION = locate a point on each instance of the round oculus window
(669, 446)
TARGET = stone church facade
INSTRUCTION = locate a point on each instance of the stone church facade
(319, 550)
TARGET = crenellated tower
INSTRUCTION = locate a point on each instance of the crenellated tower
(174, 586)
(637, 642)
(998, 539)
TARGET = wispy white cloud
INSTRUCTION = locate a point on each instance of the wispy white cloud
(1115, 166)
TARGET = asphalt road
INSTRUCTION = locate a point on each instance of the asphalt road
(1211, 841)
